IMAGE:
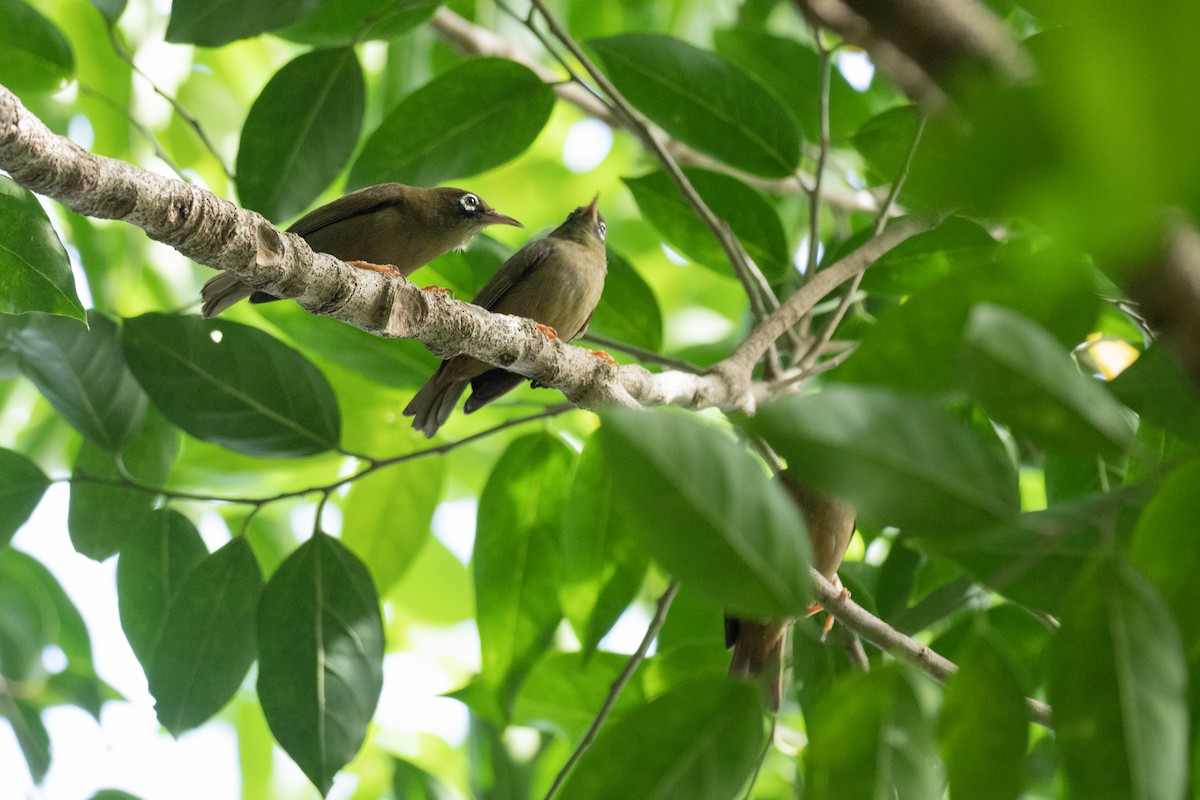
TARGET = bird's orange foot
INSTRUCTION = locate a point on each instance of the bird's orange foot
(386, 269)
(442, 290)
(603, 356)
(817, 608)
(550, 333)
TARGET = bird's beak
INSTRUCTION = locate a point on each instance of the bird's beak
(592, 210)
(493, 217)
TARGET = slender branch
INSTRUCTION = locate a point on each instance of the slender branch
(814, 203)
(857, 619)
(635, 660)
(753, 281)
(146, 133)
(642, 354)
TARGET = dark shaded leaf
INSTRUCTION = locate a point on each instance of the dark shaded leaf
(1024, 379)
(410, 782)
(983, 730)
(341, 23)
(22, 484)
(212, 23)
(1118, 686)
(82, 372)
(885, 141)
(922, 259)
(603, 563)
(32, 737)
(301, 131)
(899, 460)
(701, 739)
(34, 55)
(233, 385)
(150, 571)
(320, 654)
(474, 117)
(102, 514)
(752, 219)
(704, 101)
(35, 274)
(628, 310)
(206, 644)
(869, 738)
(1156, 388)
(518, 559)
(386, 517)
(111, 10)
(703, 507)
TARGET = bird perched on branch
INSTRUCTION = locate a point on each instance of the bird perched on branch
(758, 646)
(388, 227)
(556, 282)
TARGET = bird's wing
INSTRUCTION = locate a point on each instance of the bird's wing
(515, 270)
(364, 201)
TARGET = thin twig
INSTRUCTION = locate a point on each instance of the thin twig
(762, 757)
(138, 126)
(187, 116)
(757, 288)
(815, 199)
(642, 354)
(635, 660)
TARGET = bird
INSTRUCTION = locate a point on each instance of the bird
(388, 227)
(758, 645)
(555, 281)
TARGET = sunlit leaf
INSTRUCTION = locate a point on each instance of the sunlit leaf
(320, 654)
(1118, 686)
(301, 131)
(706, 511)
(35, 274)
(233, 385)
(518, 558)
(704, 101)
(206, 644)
(564, 691)
(473, 117)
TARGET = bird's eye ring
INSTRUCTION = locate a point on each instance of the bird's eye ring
(602, 229)
(469, 202)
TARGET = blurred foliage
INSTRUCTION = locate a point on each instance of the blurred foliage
(1021, 512)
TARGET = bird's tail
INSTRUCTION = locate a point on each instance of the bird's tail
(431, 406)
(221, 292)
(758, 654)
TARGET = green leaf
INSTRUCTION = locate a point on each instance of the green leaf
(22, 485)
(102, 515)
(27, 623)
(899, 460)
(34, 55)
(343, 23)
(869, 738)
(111, 10)
(926, 257)
(1025, 380)
(1118, 685)
(704, 508)
(206, 644)
(301, 131)
(474, 117)
(518, 559)
(628, 310)
(604, 566)
(983, 730)
(410, 782)
(885, 141)
(793, 71)
(35, 273)
(150, 571)
(913, 347)
(320, 656)
(1160, 393)
(701, 739)
(704, 101)
(389, 362)
(565, 690)
(81, 370)
(386, 517)
(1164, 549)
(212, 23)
(32, 737)
(233, 385)
(751, 218)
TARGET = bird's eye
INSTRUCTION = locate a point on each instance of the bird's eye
(602, 229)
(469, 202)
